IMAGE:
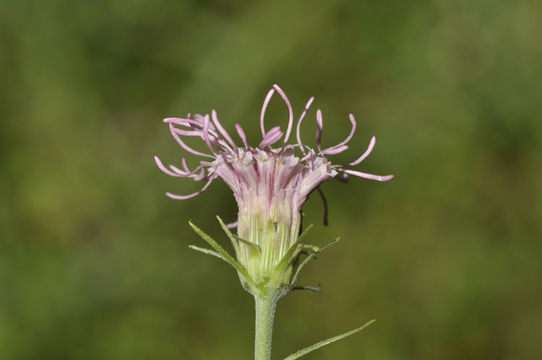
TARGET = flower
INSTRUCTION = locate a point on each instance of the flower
(270, 182)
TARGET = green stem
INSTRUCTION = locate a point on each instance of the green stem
(265, 313)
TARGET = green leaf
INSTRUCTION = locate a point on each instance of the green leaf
(323, 343)
(207, 252)
(246, 242)
(328, 244)
(292, 252)
(227, 257)
(234, 238)
(317, 289)
(316, 250)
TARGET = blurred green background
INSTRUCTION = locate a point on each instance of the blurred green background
(94, 262)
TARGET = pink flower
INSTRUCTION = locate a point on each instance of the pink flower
(263, 169)
(270, 181)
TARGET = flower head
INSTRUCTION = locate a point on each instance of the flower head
(270, 181)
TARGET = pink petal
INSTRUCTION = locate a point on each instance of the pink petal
(365, 154)
(290, 111)
(185, 197)
(222, 130)
(335, 150)
(298, 127)
(242, 135)
(264, 109)
(369, 176)
(345, 141)
(206, 134)
(184, 146)
(232, 225)
(319, 127)
(271, 137)
(165, 169)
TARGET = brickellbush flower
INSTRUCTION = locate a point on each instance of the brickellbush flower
(270, 182)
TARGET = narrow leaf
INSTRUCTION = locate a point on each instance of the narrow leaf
(317, 289)
(234, 238)
(246, 242)
(222, 252)
(323, 343)
(317, 250)
(328, 244)
(207, 252)
(292, 252)
(227, 231)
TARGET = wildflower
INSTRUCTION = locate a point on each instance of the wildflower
(270, 182)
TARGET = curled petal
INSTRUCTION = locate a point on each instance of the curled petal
(178, 121)
(165, 169)
(271, 137)
(200, 176)
(365, 154)
(335, 150)
(290, 111)
(176, 172)
(184, 146)
(199, 120)
(192, 124)
(192, 174)
(179, 171)
(206, 134)
(212, 137)
(298, 127)
(185, 197)
(319, 127)
(264, 109)
(345, 141)
(369, 176)
(222, 130)
(185, 165)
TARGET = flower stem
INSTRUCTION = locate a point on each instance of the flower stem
(265, 314)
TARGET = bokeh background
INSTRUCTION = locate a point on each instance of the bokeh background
(94, 262)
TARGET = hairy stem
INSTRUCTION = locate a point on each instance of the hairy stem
(265, 314)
